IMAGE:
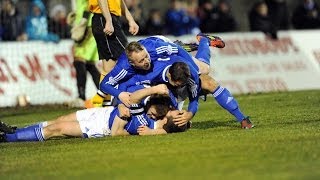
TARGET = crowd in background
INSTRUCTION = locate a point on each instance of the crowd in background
(182, 17)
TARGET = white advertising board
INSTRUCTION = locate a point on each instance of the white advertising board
(249, 63)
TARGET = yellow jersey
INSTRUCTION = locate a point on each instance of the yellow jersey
(114, 7)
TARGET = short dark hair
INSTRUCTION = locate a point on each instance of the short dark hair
(170, 127)
(161, 103)
(180, 71)
(133, 46)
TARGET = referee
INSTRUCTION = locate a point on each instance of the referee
(106, 28)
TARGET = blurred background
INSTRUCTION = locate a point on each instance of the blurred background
(235, 14)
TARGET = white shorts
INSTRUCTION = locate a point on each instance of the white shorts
(94, 122)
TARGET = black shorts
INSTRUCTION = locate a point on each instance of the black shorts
(109, 47)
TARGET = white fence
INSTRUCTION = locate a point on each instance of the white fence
(248, 63)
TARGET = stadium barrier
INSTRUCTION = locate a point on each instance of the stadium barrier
(250, 63)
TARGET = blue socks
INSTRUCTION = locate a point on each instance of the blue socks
(26, 134)
(38, 125)
(203, 53)
(227, 101)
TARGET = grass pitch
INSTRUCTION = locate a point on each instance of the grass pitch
(285, 144)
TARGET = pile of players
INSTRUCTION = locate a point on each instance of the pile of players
(149, 84)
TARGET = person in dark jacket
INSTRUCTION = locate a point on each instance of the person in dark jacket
(154, 24)
(12, 22)
(278, 13)
(260, 21)
(306, 15)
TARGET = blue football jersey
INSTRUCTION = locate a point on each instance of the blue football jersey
(135, 121)
(158, 50)
(157, 75)
(139, 120)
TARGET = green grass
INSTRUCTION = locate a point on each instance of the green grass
(284, 145)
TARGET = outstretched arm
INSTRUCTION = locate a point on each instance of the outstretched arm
(138, 95)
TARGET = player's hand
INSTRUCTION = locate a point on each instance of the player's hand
(125, 98)
(108, 28)
(124, 112)
(144, 130)
(161, 89)
(97, 100)
(133, 27)
(182, 118)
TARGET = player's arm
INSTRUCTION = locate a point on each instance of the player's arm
(193, 85)
(116, 75)
(137, 96)
(107, 86)
(163, 127)
(103, 4)
(117, 128)
(156, 130)
(133, 26)
(146, 131)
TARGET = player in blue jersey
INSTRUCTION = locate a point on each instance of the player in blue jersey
(176, 74)
(154, 48)
(101, 122)
(124, 69)
(195, 87)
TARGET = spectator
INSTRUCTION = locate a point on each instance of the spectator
(154, 24)
(177, 20)
(278, 13)
(1, 32)
(37, 24)
(57, 21)
(12, 22)
(260, 21)
(222, 15)
(207, 23)
(191, 7)
(306, 15)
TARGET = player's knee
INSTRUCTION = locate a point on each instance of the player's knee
(208, 83)
(53, 130)
(205, 69)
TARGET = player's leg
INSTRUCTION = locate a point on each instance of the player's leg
(117, 44)
(86, 123)
(62, 129)
(203, 54)
(6, 128)
(81, 76)
(95, 74)
(214, 41)
(68, 117)
(40, 132)
(109, 47)
(202, 57)
(102, 41)
(225, 100)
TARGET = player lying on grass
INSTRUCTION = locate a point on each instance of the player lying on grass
(101, 122)
(162, 71)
